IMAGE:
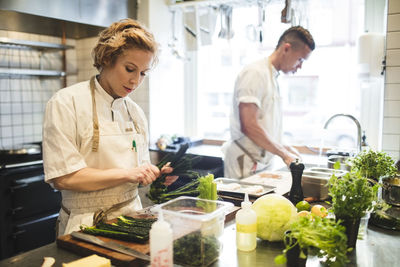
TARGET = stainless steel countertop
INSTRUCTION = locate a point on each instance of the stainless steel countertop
(379, 248)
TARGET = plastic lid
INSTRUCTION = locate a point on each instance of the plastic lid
(246, 204)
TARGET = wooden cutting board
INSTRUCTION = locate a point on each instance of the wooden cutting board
(118, 259)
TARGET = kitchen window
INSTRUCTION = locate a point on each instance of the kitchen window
(327, 84)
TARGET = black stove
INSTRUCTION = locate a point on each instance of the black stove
(28, 206)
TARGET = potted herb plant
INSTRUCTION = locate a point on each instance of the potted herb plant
(352, 197)
(314, 235)
(374, 164)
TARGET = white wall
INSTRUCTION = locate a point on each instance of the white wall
(391, 116)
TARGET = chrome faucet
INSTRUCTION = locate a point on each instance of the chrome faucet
(355, 121)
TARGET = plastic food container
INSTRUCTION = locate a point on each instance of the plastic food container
(197, 226)
(314, 182)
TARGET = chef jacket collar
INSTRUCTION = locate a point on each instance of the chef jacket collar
(274, 71)
(114, 103)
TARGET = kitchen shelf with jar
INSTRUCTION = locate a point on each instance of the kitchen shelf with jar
(42, 47)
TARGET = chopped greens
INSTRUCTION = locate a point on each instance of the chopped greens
(194, 249)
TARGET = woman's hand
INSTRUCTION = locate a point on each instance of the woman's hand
(147, 173)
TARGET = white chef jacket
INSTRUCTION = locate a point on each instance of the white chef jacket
(67, 147)
(256, 83)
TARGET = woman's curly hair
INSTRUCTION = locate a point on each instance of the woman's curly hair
(120, 36)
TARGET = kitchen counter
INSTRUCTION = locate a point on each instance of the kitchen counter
(379, 248)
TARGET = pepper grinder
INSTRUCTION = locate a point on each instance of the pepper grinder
(296, 191)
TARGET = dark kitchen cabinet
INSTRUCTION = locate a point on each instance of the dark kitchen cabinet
(28, 210)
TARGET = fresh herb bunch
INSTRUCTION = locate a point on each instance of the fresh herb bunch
(352, 195)
(322, 237)
(374, 164)
(182, 165)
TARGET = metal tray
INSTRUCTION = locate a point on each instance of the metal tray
(238, 193)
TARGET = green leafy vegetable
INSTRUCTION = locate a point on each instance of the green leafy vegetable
(126, 228)
(207, 190)
(275, 213)
(182, 165)
(322, 237)
(374, 164)
(195, 249)
(352, 195)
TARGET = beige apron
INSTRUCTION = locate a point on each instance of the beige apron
(108, 147)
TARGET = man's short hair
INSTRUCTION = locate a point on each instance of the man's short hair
(297, 36)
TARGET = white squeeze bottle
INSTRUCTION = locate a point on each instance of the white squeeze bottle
(246, 227)
(161, 243)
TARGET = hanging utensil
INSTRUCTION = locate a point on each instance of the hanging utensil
(261, 20)
(173, 44)
(226, 31)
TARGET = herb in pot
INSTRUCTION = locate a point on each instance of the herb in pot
(322, 237)
(374, 164)
(352, 195)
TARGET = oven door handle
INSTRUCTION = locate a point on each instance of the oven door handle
(18, 186)
(17, 233)
(16, 210)
(22, 183)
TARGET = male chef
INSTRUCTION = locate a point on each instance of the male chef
(256, 119)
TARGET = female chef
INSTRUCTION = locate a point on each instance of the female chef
(95, 138)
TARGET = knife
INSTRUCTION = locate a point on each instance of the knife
(110, 245)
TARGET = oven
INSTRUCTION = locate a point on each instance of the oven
(28, 206)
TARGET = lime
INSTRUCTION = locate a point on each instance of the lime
(303, 205)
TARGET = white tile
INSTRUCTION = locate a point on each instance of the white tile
(391, 125)
(5, 96)
(391, 142)
(6, 132)
(393, 6)
(5, 120)
(391, 108)
(392, 75)
(393, 23)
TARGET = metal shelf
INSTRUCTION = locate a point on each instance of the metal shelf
(31, 72)
(7, 42)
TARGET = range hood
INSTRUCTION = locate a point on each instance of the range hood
(77, 18)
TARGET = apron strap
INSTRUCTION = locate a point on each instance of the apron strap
(241, 159)
(96, 131)
(245, 151)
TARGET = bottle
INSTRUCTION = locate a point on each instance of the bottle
(364, 144)
(246, 227)
(161, 243)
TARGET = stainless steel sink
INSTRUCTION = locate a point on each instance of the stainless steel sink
(315, 181)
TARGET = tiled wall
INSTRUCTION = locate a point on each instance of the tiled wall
(23, 98)
(391, 119)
